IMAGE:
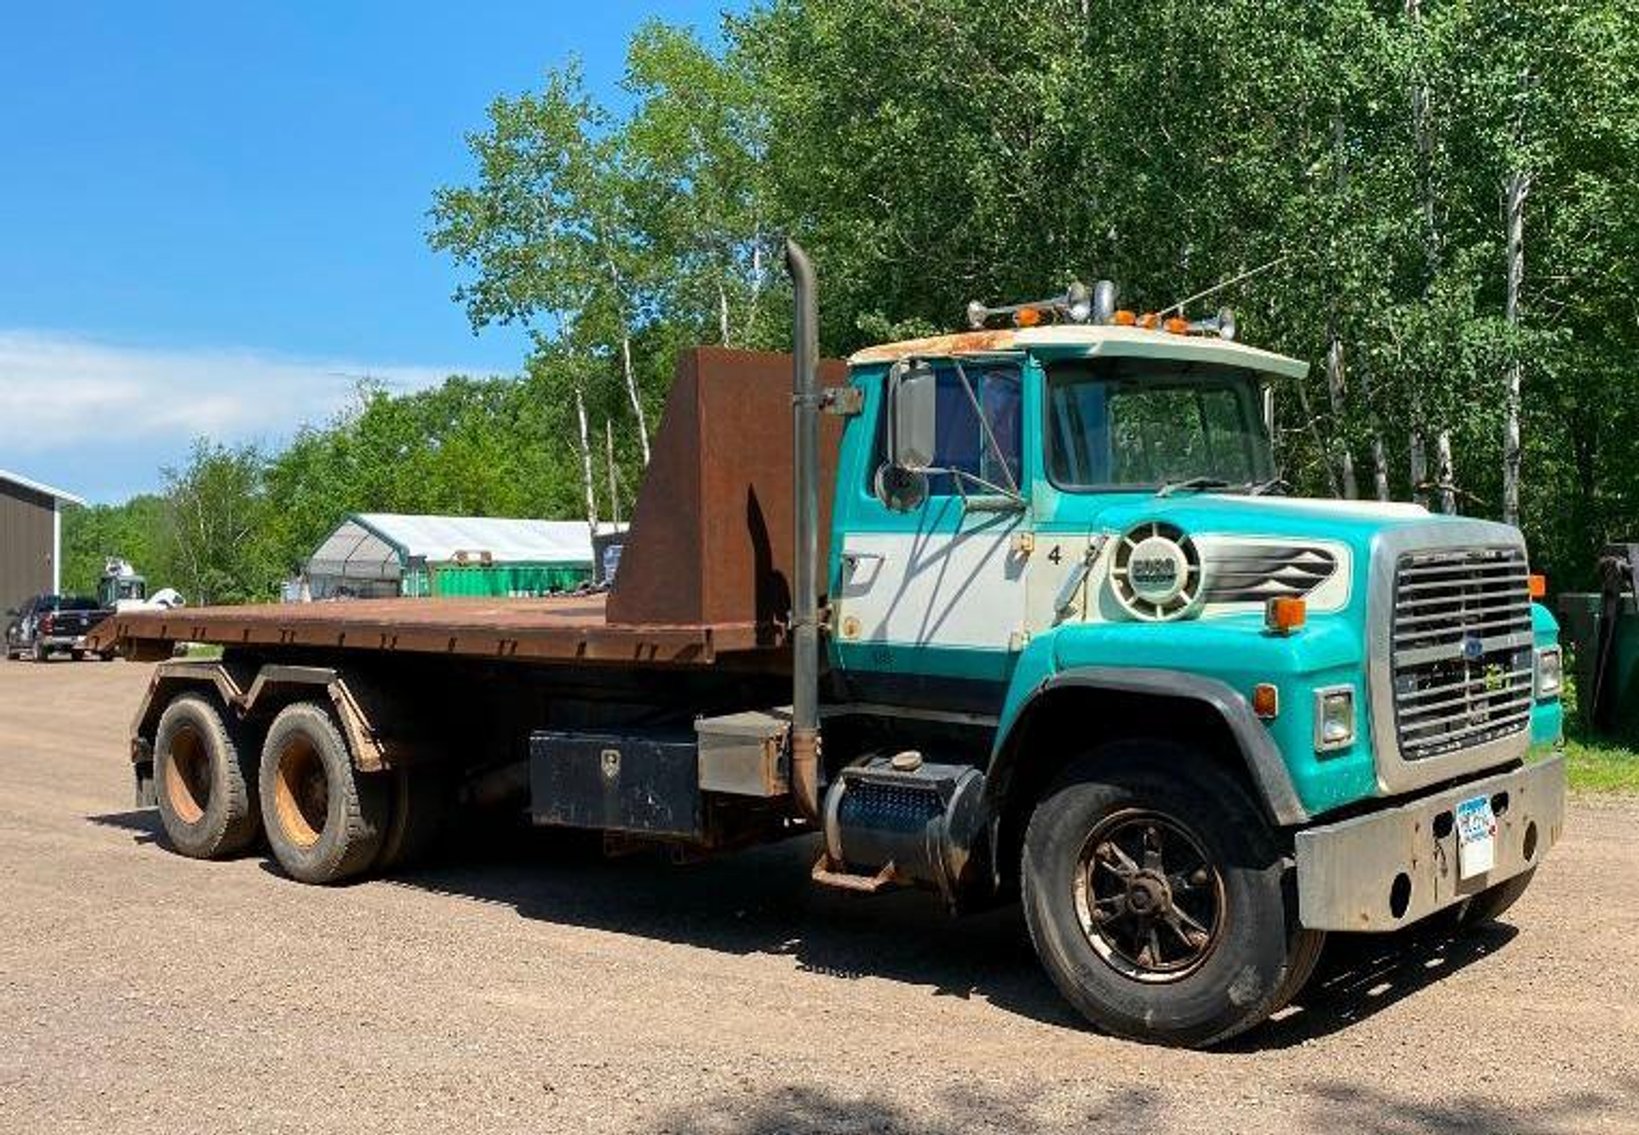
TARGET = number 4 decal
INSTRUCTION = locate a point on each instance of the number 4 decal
(1056, 554)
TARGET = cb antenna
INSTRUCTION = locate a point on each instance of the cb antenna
(1215, 288)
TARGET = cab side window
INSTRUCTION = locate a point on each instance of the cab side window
(960, 442)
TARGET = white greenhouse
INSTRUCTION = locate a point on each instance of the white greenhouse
(381, 554)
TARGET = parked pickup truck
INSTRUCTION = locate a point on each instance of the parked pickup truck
(1013, 611)
(51, 624)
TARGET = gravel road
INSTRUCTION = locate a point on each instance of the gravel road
(519, 986)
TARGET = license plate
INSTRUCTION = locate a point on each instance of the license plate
(1476, 837)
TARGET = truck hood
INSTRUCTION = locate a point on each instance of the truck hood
(1355, 523)
(1233, 525)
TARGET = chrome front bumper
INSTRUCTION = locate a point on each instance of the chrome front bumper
(1387, 869)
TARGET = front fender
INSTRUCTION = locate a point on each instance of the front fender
(1264, 765)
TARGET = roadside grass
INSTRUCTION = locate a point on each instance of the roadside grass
(1592, 763)
(1601, 766)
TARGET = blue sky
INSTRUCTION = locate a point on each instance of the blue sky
(212, 216)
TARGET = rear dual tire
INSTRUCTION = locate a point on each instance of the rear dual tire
(326, 822)
(205, 780)
(1154, 892)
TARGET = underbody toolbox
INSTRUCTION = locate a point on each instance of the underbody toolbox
(628, 782)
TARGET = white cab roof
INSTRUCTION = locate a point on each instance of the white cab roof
(1090, 339)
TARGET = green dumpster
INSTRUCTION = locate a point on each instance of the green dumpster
(514, 580)
(1580, 616)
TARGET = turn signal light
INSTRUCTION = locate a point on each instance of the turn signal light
(1266, 701)
(1285, 614)
(1537, 584)
(1124, 318)
(1149, 321)
(1027, 317)
(1177, 325)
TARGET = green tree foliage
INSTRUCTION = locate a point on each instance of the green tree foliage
(97, 533)
(929, 152)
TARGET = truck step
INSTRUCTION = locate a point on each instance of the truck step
(824, 874)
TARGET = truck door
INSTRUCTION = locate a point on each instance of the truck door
(930, 596)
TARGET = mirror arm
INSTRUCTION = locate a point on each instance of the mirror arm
(959, 476)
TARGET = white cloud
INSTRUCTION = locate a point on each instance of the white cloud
(62, 392)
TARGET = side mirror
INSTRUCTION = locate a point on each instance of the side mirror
(911, 415)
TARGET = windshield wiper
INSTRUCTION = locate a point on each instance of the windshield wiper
(1191, 483)
(1277, 485)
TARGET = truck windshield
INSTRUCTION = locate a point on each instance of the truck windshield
(1140, 423)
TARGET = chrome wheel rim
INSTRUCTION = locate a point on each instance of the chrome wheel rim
(1148, 897)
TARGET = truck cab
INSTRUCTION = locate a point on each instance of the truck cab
(1075, 536)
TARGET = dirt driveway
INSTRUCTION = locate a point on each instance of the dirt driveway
(522, 988)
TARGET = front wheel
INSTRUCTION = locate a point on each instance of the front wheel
(1152, 886)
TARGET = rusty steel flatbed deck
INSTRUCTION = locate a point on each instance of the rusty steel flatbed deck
(565, 628)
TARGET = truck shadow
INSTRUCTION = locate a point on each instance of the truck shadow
(143, 823)
(761, 901)
(1360, 975)
(757, 901)
(820, 1110)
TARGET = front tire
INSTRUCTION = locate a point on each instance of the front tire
(325, 821)
(204, 780)
(1152, 887)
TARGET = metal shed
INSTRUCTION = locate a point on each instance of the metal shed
(31, 538)
(381, 554)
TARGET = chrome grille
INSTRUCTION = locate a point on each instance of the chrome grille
(1461, 649)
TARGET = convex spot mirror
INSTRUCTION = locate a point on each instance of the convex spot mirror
(911, 409)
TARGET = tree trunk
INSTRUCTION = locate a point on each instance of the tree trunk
(1419, 456)
(1425, 152)
(722, 314)
(609, 453)
(635, 395)
(1380, 461)
(1320, 442)
(586, 465)
(627, 370)
(1335, 391)
(1335, 382)
(1431, 252)
(1446, 475)
(1519, 186)
(757, 274)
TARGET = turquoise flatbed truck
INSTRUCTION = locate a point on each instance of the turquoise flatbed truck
(1018, 611)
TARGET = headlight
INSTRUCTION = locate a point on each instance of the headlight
(1334, 718)
(1550, 672)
